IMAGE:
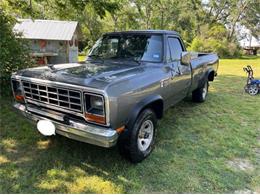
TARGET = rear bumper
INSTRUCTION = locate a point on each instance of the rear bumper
(93, 134)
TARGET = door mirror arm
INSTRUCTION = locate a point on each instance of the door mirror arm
(178, 67)
(172, 70)
(185, 58)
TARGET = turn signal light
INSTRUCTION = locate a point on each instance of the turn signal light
(120, 129)
(19, 98)
(95, 118)
(17, 91)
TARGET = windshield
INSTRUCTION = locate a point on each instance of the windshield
(129, 47)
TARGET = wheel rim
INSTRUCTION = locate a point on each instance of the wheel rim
(145, 135)
(253, 90)
(205, 90)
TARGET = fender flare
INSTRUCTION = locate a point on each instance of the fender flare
(132, 116)
(211, 70)
(205, 77)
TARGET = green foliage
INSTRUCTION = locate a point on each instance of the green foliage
(101, 6)
(188, 18)
(14, 54)
(212, 39)
(252, 17)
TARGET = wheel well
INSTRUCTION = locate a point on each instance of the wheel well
(157, 107)
(211, 76)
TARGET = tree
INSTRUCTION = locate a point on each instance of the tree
(14, 54)
(251, 17)
(211, 40)
(100, 6)
(232, 13)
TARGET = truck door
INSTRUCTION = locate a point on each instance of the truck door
(181, 74)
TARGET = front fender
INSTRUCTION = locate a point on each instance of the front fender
(139, 107)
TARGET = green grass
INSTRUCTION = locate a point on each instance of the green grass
(195, 142)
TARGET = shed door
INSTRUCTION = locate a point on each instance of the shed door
(73, 50)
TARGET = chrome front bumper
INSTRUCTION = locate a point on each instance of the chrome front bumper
(93, 134)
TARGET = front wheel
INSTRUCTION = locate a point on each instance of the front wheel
(140, 142)
(200, 94)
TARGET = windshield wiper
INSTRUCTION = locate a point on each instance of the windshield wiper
(138, 61)
(95, 56)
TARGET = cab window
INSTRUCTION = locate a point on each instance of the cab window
(175, 48)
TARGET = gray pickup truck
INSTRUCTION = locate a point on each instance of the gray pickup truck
(117, 95)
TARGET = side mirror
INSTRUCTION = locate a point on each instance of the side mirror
(185, 58)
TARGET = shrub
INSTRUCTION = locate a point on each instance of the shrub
(213, 40)
(14, 53)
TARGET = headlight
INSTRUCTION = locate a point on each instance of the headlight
(96, 104)
(17, 90)
(95, 109)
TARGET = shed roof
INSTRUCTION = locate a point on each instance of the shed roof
(250, 42)
(46, 29)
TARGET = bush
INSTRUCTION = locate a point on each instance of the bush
(14, 53)
(213, 40)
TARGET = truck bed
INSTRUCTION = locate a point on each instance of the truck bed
(201, 63)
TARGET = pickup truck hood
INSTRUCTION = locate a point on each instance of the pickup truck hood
(89, 74)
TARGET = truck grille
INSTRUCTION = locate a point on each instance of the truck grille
(59, 97)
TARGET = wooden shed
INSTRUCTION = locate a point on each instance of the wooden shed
(51, 41)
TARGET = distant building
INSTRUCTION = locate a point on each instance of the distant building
(250, 44)
(51, 41)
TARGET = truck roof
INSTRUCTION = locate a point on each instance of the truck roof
(144, 32)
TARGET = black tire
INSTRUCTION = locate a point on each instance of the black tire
(129, 146)
(200, 94)
(253, 89)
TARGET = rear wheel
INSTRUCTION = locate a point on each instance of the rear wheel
(139, 144)
(253, 89)
(200, 94)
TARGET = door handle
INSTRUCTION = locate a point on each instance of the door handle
(174, 73)
(178, 72)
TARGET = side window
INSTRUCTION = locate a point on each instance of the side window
(176, 48)
(168, 53)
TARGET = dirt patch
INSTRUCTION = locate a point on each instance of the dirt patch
(241, 164)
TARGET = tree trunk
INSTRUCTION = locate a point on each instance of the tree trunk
(231, 34)
(115, 19)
